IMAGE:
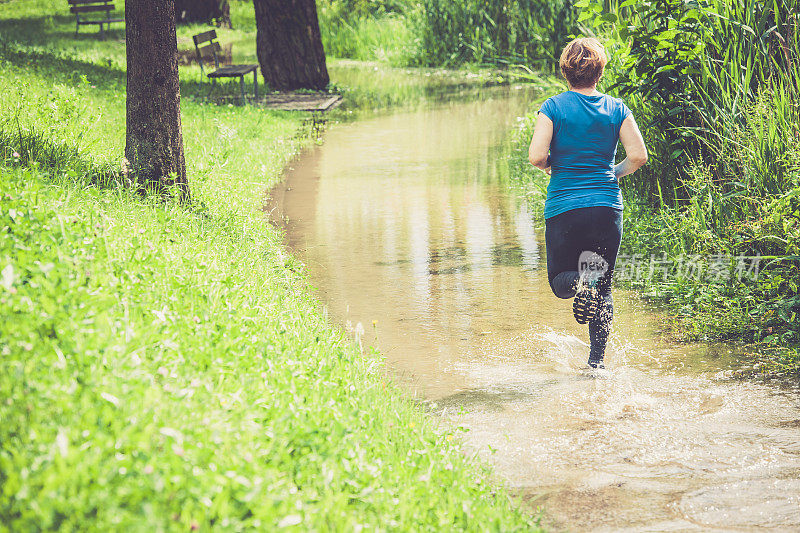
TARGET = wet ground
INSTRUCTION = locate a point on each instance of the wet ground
(409, 226)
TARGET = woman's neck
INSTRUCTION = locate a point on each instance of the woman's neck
(587, 91)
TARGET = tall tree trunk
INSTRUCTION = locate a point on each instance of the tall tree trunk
(203, 11)
(154, 142)
(289, 45)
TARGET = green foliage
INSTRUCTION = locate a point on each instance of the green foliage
(530, 32)
(387, 38)
(715, 87)
(349, 9)
(439, 33)
(369, 30)
(691, 69)
(665, 44)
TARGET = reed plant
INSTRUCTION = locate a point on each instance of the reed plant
(529, 32)
(715, 88)
(436, 33)
(692, 70)
(388, 38)
(369, 30)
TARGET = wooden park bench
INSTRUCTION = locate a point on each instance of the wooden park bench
(90, 8)
(208, 48)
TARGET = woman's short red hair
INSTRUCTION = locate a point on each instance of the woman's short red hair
(582, 62)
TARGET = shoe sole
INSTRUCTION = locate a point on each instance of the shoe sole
(585, 306)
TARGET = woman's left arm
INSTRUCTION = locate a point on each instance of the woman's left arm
(538, 154)
(635, 149)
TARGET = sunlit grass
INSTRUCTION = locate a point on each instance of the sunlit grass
(163, 366)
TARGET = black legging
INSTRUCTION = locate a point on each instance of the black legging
(567, 235)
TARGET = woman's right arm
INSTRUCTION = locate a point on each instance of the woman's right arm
(635, 149)
(538, 153)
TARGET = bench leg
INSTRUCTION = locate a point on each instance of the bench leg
(255, 81)
(241, 87)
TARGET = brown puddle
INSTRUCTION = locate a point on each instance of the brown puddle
(409, 220)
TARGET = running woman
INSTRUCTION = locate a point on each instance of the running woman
(575, 141)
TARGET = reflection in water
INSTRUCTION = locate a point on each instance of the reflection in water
(418, 224)
(408, 220)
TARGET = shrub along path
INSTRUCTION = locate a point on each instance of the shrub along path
(163, 367)
(668, 255)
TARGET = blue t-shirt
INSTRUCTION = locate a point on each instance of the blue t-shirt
(583, 151)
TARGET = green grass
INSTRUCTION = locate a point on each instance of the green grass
(389, 39)
(438, 33)
(163, 366)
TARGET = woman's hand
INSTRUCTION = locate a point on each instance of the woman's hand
(635, 149)
(538, 154)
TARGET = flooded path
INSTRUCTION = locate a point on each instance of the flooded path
(408, 220)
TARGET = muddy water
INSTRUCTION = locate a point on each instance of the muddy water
(408, 226)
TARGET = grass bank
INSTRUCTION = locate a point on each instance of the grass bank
(163, 367)
(716, 209)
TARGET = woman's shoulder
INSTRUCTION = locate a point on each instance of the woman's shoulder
(558, 101)
(550, 106)
(621, 108)
(570, 101)
(616, 106)
(612, 99)
(618, 102)
(562, 96)
(568, 96)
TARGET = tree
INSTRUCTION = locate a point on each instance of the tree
(289, 45)
(203, 11)
(154, 142)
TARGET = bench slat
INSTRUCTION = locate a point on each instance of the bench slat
(91, 9)
(201, 38)
(232, 70)
(99, 21)
(74, 2)
(208, 50)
